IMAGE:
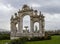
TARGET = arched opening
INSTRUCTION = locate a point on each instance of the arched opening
(26, 23)
(16, 27)
(36, 27)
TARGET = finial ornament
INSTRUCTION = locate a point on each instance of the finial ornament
(12, 17)
(31, 9)
(19, 9)
(42, 15)
(35, 12)
(40, 12)
(36, 27)
(15, 14)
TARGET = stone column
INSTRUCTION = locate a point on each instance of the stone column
(31, 26)
(13, 29)
(40, 27)
(43, 24)
(21, 25)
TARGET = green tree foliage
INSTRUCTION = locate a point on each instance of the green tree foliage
(19, 41)
(4, 36)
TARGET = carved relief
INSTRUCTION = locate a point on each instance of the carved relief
(34, 17)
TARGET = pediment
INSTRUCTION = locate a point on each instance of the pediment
(26, 8)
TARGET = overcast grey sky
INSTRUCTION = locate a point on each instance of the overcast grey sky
(50, 9)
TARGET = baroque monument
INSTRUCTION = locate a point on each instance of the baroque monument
(17, 19)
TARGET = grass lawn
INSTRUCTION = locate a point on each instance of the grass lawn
(4, 41)
(54, 40)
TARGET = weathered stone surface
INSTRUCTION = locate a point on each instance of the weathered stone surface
(17, 32)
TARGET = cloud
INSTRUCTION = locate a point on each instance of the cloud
(5, 13)
(50, 8)
(52, 21)
(34, 5)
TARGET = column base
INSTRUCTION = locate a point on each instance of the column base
(14, 38)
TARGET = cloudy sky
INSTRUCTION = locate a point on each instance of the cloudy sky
(50, 9)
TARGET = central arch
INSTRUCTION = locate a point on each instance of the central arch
(26, 22)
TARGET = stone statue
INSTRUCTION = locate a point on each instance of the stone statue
(36, 28)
